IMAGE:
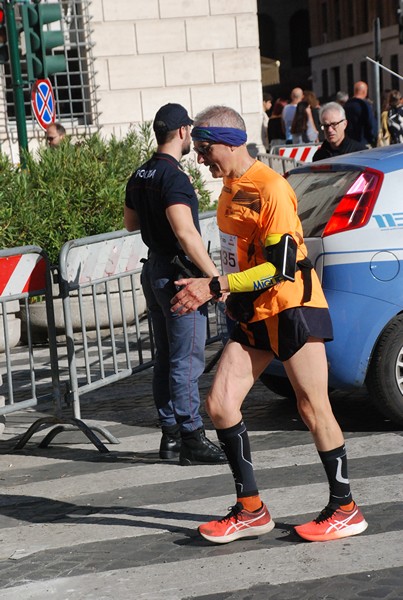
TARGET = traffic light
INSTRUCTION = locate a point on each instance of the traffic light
(400, 21)
(3, 38)
(40, 41)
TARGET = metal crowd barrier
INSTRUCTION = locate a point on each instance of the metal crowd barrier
(280, 164)
(25, 279)
(300, 152)
(104, 333)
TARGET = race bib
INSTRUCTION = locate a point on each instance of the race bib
(229, 253)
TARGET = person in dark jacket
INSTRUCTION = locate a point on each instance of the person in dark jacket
(362, 125)
(333, 123)
(395, 117)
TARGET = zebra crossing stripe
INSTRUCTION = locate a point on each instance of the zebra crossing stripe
(157, 473)
(282, 502)
(232, 572)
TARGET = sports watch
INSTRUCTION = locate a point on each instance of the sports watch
(215, 287)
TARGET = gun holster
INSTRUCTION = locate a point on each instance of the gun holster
(185, 267)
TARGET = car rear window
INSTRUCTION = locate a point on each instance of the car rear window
(318, 195)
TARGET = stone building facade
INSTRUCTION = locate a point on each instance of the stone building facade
(146, 53)
(343, 35)
(195, 52)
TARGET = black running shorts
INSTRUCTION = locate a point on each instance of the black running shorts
(285, 333)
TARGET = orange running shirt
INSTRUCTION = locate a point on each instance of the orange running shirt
(259, 203)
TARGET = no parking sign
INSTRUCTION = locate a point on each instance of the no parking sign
(43, 103)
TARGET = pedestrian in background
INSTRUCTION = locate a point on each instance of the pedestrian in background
(267, 104)
(275, 128)
(362, 125)
(290, 320)
(395, 117)
(384, 133)
(333, 122)
(303, 128)
(55, 134)
(289, 112)
(341, 97)
(311, 98)
(161, 202)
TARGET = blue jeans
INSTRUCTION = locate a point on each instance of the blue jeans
(180, 346)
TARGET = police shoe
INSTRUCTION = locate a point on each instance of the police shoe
(170, 442)
(196, 449)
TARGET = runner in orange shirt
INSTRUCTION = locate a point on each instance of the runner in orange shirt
(278, 312)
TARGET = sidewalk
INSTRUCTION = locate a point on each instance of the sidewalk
(123, 404)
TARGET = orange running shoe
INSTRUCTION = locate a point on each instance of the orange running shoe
(239, 523)
(333, 523)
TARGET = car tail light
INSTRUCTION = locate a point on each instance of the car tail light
(355, 207)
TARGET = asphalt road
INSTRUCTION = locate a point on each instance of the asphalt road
(76, 524)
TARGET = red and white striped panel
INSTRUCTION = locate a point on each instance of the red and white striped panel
(22, 273)
(91, 262)
(302, 153)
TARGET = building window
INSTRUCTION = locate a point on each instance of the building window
(267, 36)
(350, 79)
(75, 90)
(394, 66)
(300, 38)
(362, 16)
(337, 20)
(364, 71)
(335, 75)
(324, 22)
(379, 11)
(350, 19)
(325, 86)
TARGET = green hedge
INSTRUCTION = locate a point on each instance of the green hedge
(74, 191)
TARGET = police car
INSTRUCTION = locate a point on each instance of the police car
(351, 209)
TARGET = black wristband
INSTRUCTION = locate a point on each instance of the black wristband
(215, 287)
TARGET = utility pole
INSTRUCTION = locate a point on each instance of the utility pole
(41, 62)
(17, 82)
(377, 80)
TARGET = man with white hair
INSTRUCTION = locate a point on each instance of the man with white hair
(333, 122)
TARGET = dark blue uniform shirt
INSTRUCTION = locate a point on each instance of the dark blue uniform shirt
(153, 187)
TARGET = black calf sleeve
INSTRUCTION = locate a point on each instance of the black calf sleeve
(335, 463)
(235, 443)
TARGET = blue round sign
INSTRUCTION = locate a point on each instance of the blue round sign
(43, 102)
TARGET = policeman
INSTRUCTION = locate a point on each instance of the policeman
(161, 202)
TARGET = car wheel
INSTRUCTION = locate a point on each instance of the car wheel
(385, 374)
(278, 385)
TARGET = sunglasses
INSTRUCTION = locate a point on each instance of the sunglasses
(326, 126)
(205, 150)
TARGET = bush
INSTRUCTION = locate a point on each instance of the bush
(74, 191)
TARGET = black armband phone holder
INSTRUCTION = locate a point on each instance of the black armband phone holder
(283, 256)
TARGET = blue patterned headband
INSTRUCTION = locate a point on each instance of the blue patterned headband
(223, 135)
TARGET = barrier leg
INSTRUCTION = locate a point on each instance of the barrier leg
(66, 424)
(69, 424)
(34, 428)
